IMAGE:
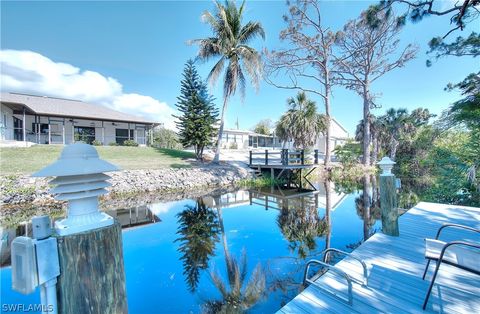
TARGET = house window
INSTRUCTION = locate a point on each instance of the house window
(121, 135)
(43, 128)
(84, 134)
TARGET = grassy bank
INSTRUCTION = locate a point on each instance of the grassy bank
(31, 159)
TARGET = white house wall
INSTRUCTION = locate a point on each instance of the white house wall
(6, 123)
(57, 126)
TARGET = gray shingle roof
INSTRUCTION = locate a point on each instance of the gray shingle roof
(59, 107)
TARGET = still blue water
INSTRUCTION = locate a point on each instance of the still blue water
(156, 274)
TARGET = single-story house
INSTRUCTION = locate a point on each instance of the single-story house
(244, 139)
(50, 120)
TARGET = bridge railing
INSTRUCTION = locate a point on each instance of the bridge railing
(283, 157)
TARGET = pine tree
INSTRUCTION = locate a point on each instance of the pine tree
(196, 124)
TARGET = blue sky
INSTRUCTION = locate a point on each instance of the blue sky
(136, 52)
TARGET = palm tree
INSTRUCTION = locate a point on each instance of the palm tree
(301, 123)
(230, 43)
(198, 228)
(395, 123)
(376, 135)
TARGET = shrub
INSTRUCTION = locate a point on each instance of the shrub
(348, 153)
(97, 143)
(130, 143)
(113, 144)
(233, 146)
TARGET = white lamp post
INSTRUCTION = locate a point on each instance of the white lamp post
(386, 164)
(79, 180)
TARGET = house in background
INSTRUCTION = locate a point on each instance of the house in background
(50, 120)
(244, 139)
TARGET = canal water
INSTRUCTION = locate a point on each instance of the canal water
(242, 251)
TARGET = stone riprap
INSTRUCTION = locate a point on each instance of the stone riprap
(25, 189)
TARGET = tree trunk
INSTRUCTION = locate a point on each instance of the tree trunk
(375, 148)
(327, 114)
(366, 127)
(216, 160)
(394, 146)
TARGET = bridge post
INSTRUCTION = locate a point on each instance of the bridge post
(250, 158)
(316, 156)
(302, 156)
(266, 157)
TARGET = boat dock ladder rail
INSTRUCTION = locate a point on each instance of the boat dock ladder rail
(313, 280)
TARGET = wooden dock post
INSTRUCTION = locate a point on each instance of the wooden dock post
(250, 158)
(92, 278)
(388, 198)
(266, 157)
(316, 156)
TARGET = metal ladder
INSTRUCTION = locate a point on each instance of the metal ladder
(327, 267)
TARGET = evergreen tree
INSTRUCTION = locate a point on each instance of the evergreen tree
(196, 124)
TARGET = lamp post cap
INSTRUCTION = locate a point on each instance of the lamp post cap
(386, 161)
(76, 159)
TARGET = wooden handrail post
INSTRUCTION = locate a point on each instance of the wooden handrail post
(266, 157)
(250, 159)
(287, 156)
(302, 156)
(316, 156)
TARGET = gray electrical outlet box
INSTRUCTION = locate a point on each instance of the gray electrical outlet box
(41, 227)
(24, 265)
(47, 260)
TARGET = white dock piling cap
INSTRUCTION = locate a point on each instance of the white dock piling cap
(80, 181)
(386, 164)
(76, 159)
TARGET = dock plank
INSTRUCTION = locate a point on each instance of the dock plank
(395, 267)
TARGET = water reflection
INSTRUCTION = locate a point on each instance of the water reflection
(237, 294)
(198, 228)
(241, 251)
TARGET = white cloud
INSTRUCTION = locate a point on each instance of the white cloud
(31, 72)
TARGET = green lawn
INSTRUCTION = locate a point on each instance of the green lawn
(29, 160)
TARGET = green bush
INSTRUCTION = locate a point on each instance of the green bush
(233, 146)
(130, 143)
(97, 143)
(113, 144)
(348, 153)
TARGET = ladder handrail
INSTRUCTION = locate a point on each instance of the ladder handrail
(333, 269)
(364, 266)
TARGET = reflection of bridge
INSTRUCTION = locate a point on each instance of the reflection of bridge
(271, 197)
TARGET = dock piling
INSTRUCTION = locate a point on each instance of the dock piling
(388, 198)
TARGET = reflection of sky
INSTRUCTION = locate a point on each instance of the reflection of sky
(154, 271)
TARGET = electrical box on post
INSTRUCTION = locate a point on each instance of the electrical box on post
(24, 265)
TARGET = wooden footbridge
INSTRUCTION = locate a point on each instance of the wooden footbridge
(286, 164)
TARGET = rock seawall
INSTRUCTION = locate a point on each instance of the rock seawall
(25, 189)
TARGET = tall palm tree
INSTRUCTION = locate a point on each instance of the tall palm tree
(229, 43)
(301, 123)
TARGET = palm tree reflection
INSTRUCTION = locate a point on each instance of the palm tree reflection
(237, 294)
(300, 224)
(198, 228)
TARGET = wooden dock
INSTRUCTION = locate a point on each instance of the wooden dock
(395, 268)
